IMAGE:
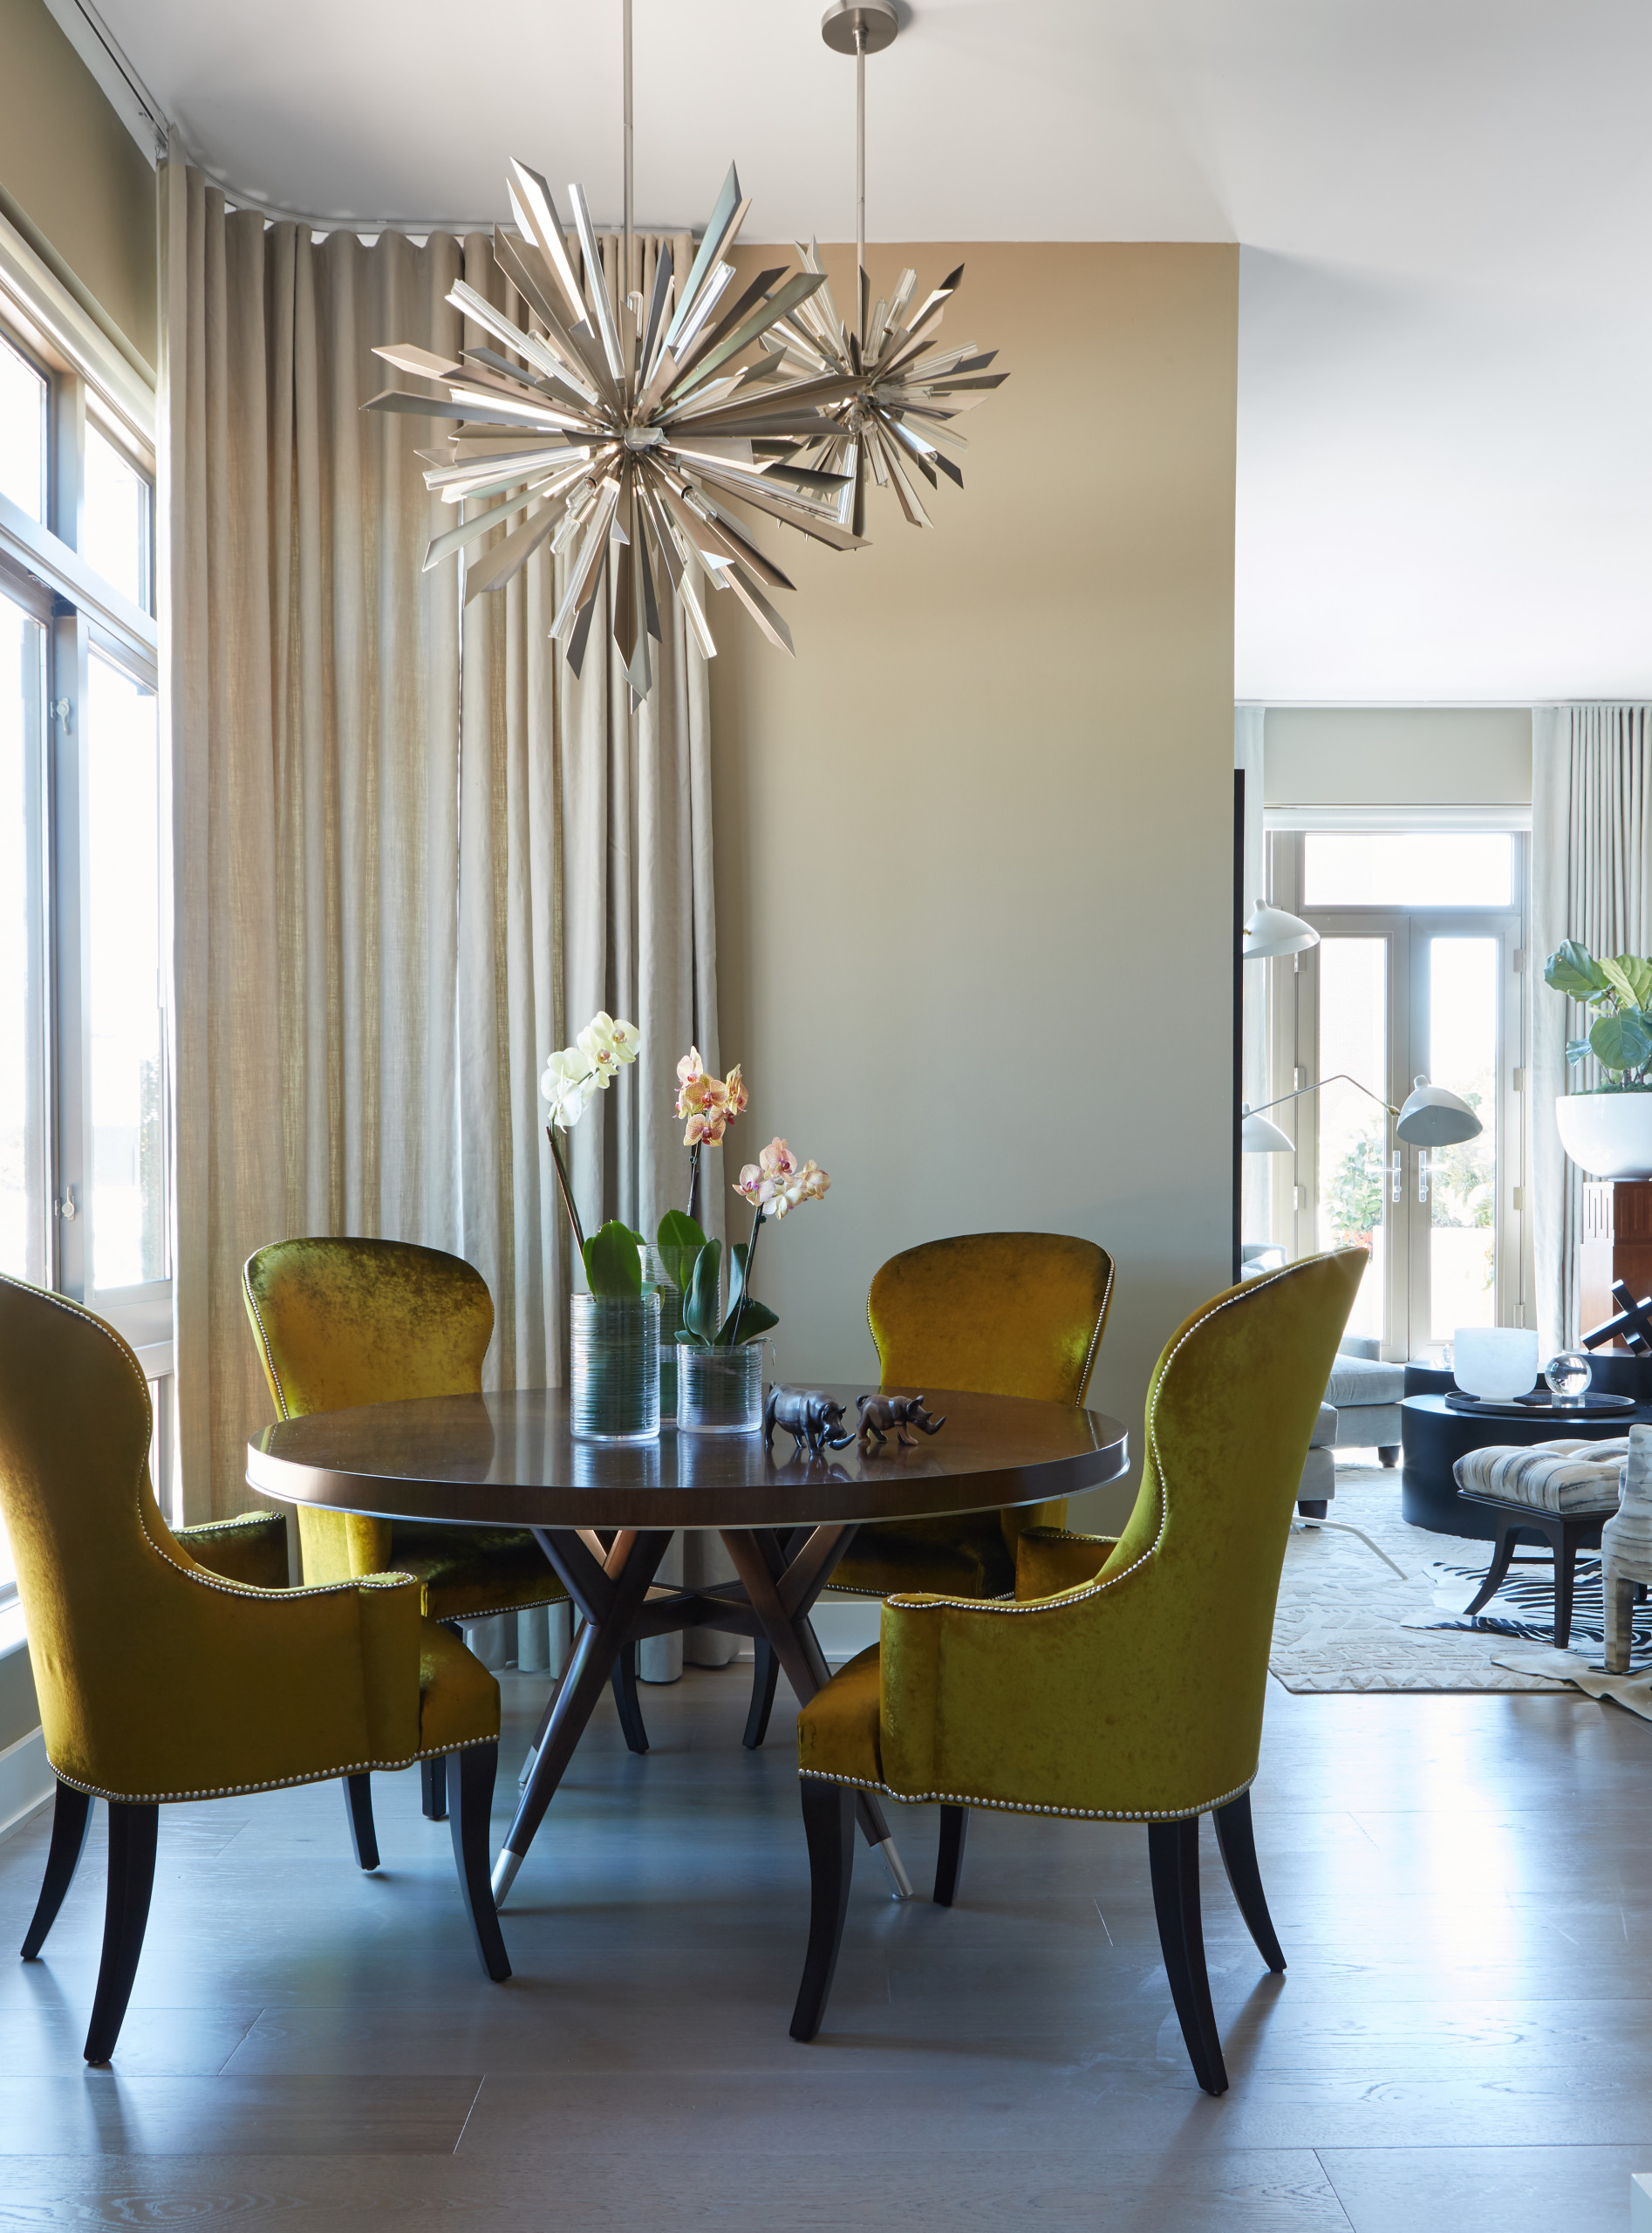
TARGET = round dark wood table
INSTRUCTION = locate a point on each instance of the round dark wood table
(604, 1514)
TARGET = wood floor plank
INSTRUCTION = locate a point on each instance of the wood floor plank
(108, 2113)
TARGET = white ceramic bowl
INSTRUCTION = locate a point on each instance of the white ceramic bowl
(1496, 1361)
(1608, 1135)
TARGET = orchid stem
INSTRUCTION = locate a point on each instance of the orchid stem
(567, 1192)
(745, 1284)
(694, 1176)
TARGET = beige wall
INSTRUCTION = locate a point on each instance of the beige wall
(70, 175)
(1411, 755)
(974, 845)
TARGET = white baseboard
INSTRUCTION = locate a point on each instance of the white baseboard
(25, 1779)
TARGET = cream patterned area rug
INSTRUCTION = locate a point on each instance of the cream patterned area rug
(1353, 1586)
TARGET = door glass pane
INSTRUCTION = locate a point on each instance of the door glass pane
(23, 1158)
(127, 1085)
(1462, 1181)
(1406, 868)
(1352, 1127)
(114, 520)
(22, 432)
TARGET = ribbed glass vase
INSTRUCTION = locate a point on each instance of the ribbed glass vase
(720, 1391)
(670, 1325)
(614, 1367)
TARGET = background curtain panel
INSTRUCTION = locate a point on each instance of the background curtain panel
(1591, 880)
(412, 853)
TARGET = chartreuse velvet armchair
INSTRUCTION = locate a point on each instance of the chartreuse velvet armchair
(342, 1322)
(998, 1314)
(1124, 1681)
(159, 1680)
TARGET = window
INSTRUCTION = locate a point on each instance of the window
(23, 432)
(83, 1115)
(1409, 868)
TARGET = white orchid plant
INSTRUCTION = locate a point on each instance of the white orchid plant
(573, 1076)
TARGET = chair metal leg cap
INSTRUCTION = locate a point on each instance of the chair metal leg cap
(897, 1868)
(505, 1874)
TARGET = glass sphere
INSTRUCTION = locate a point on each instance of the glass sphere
(1568, 1376)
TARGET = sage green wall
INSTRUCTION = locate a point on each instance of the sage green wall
(974, 845)
(71, 178)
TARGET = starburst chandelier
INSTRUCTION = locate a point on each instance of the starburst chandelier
(894, 425)
(630, 428)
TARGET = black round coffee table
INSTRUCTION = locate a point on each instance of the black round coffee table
(1433, 1437)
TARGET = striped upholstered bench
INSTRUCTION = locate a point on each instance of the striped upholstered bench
(1562, 1492)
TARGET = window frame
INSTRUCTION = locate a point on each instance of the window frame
(41, 564)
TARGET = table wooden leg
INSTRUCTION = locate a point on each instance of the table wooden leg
(609, 1596)
(760, 1563)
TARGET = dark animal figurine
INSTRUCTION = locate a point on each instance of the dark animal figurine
(809, 1416)
(879, 1413)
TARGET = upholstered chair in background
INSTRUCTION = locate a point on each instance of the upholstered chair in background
(997, 1314)
(159, 1681)
(343, 1322)
(1125, 1679)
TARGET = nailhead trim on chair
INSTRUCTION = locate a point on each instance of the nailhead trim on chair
(1028, 1805)
(1059, 1603)
(205, 1580)
(275, 1783)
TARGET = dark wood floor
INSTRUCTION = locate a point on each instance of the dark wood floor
(1462, 1885)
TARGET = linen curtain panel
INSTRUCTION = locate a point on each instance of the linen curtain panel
(1591, 879)
(412, 852)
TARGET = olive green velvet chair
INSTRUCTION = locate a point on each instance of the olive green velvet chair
(998, 1314)
(342, 1322)
(160, 1680)
(1124, 1681)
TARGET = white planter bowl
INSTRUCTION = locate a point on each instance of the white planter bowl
(1608, 1135)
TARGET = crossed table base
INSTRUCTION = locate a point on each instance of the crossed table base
(613, 1587)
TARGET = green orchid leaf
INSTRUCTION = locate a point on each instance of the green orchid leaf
(1630, 977)
(1622, 1042)
(737, 1256)
(679, 1242)
(755, 1319)
(1573, 969)
(612, 1266)
(703, 1297)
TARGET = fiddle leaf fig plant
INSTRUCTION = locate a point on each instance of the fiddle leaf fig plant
(1619, 992)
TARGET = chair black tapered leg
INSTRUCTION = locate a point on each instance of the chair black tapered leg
(364, 1839)
(472, 1776)
(1172, 1850)
(131, 1877)
(70, 1825)
(1566, 1554)
(433, 1788)
(828, 1827)
(949, 1860)
(1494, 1573)
(765, 1675)
(624, 1680)
(1238, 1843)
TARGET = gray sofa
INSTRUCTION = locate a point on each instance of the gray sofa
(1361, 1409)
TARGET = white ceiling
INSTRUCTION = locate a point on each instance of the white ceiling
(1445, 477)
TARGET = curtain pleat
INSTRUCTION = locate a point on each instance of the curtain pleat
(412, 852)
(1591, 880)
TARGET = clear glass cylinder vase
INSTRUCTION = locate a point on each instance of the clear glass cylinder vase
(614, 1367)
(670, 1325)
(720, 1391)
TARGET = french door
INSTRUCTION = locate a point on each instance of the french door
(1391, 994)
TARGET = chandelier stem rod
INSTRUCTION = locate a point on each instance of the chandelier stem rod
(860, 181)
(624, 271)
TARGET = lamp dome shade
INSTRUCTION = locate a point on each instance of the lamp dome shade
(1257, 1136)
(1434, 1118)
(1271, 932)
